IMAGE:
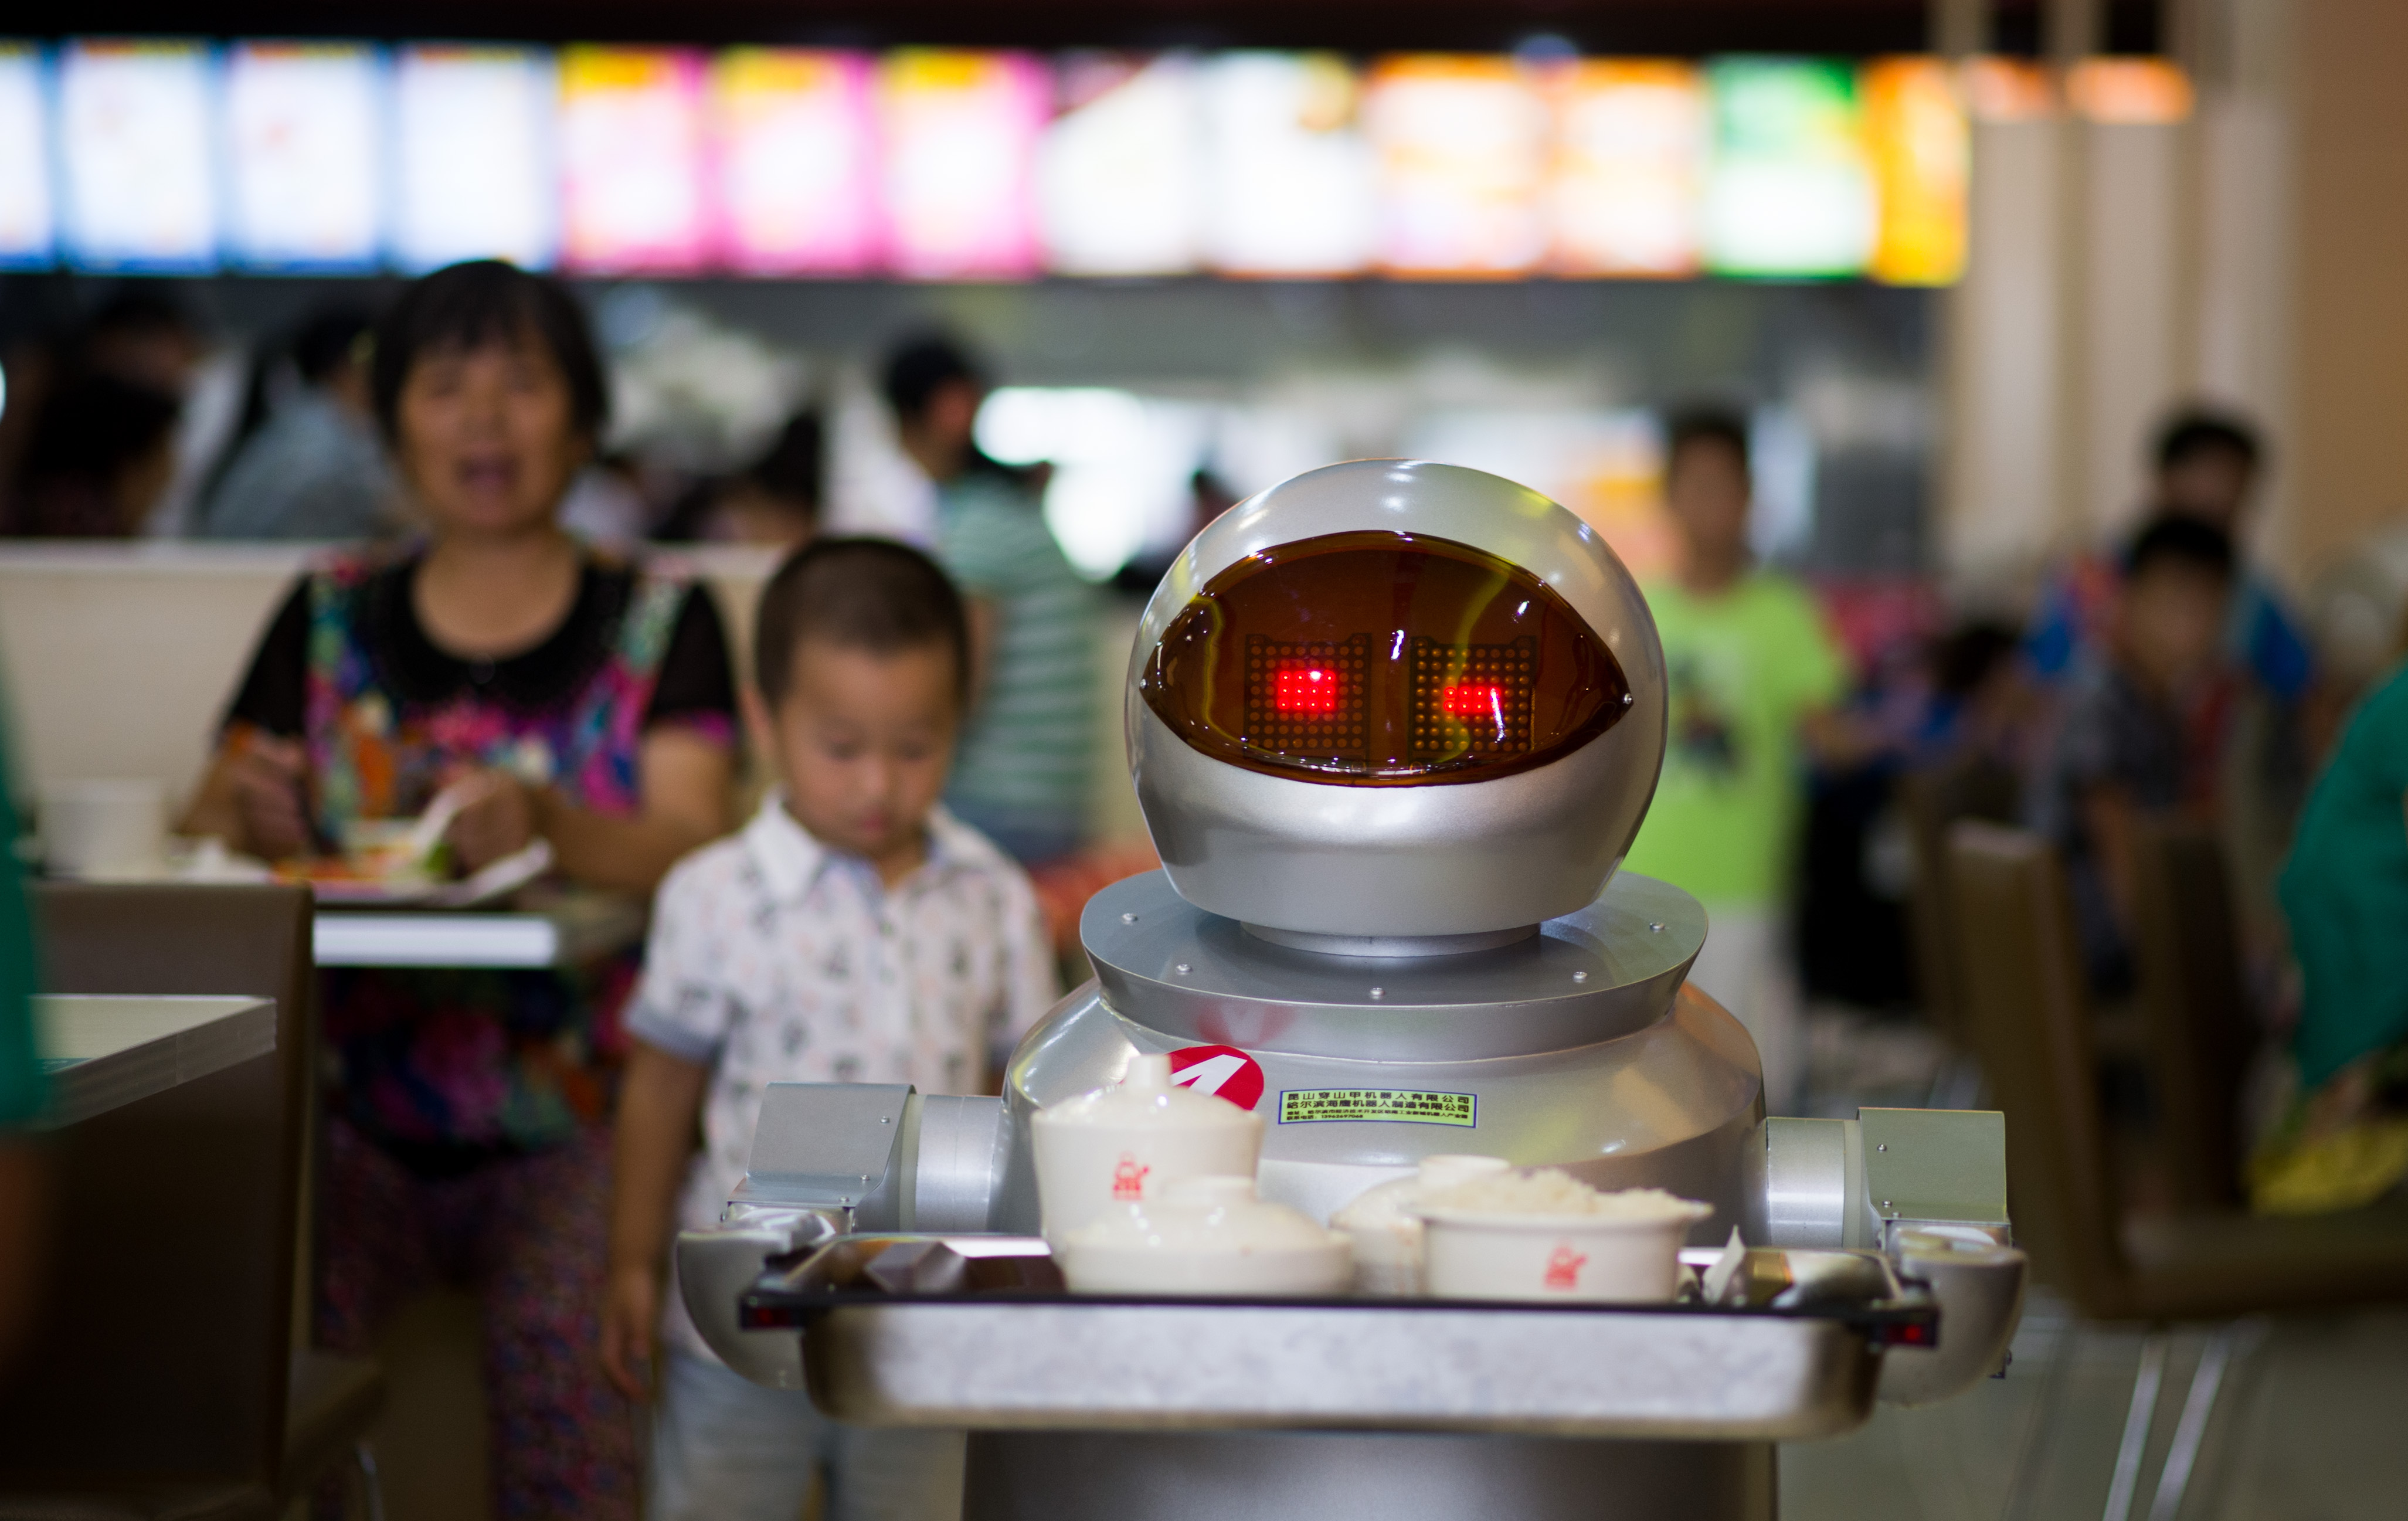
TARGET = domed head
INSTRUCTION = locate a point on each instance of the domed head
(1391, 698)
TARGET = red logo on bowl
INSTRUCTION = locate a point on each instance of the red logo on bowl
(1128, 1179)
(1224, 1072)
(1564, 1268)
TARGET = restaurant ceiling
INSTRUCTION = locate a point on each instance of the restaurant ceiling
(1593, 26)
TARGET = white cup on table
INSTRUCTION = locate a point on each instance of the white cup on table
(105, 827)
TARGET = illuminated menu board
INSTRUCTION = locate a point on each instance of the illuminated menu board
(793, 166)
(28, 234)
(302, 137)
(1288, 173)
(1916, 129)
(1120, 171)
(1630, 159)
(1789, 191)
(1462, 145)
(473, 173)
(134, 126)
(947, 163)
(631, 161)
(957, 135)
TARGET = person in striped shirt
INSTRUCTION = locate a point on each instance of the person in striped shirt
(1022, 773)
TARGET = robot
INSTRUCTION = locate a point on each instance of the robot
(1393, 726)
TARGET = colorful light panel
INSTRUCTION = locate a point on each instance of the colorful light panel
(2129, 91)
(957, 132)
(134, 126)
(1288, 173)
(794, 161)
(1915, 124)
(304, 133)
(1119, 172)
(631, 161)
(1790, 191)
(28, 226)
(474, 175)
(1630, 159)
(1462, 145)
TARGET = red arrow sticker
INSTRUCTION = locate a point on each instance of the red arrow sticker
(1223, 1070)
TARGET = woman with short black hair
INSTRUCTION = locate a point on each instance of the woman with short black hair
(563, 699)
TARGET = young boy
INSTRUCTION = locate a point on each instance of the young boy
(2142, 726)
(851, 932)
(1753, 679)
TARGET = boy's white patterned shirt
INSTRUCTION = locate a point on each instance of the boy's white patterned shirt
(775, 959)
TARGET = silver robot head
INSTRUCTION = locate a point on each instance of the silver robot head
(1391, 701)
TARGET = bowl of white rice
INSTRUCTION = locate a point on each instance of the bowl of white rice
(1541, 1234)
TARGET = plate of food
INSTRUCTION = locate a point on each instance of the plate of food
(408, 862)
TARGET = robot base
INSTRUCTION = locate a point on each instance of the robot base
(1390, 1476)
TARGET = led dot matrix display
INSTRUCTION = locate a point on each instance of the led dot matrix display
(1471, 700)
(1304, 702)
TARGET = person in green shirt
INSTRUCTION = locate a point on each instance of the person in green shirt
(2343, 1141)
(1022, 772)
(21, 1172)
(1755, 680)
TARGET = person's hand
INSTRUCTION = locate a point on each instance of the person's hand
(631, 1308)
(496, 818)
(268, 777)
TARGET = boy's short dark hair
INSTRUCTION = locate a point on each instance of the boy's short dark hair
(468, 305)
(863, 593)
(2200, 431)
(921, 367)
(1690, 426)
(2177, 541)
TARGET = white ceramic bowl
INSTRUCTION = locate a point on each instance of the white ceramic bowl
(1628, 1256)
(1116, 1147)
(1207, 1235)
(1387, 1235)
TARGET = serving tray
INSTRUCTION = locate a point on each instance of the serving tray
(978, 1331)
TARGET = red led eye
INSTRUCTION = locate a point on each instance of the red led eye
(1306, 690)
(1472, 700)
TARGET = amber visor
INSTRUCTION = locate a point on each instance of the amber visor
(1382, 659)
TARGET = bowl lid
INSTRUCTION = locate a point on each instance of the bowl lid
(1146, 1099)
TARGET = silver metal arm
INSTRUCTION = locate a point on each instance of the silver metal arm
(830, 1158)
(1927, 1188)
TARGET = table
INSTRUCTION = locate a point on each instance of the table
(575, 928)
(104, 1053)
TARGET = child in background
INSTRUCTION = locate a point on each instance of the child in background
(2142, 728)
(1755, 680)
(852, 932)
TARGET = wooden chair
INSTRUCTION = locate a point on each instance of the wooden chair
(171, 1373)
(2029, 1019)
(1931, 799)
(2194, 1006)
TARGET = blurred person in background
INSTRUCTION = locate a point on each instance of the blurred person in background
(1021, 775)
(101, 452)
(305, 461)
(773, 503)
(140, 335)
(1755, 679)
(2207, 468)
(23, 1195)
(2141, 729)
(2342, 1140)
(560, 697)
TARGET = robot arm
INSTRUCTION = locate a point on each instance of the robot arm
(1925, 1187)
(828, 1159)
